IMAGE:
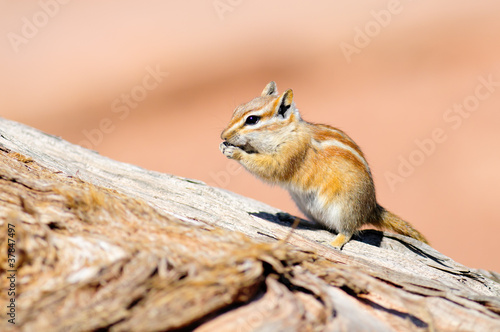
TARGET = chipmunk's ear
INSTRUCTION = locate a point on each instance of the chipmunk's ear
(285, 104)
(270, 89)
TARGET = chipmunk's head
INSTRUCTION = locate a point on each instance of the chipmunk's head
(264, 123)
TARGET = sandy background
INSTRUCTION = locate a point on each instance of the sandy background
(82, 70)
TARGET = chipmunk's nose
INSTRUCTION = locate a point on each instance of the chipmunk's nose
(223, 135)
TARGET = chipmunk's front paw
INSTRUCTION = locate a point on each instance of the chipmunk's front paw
(230, 151)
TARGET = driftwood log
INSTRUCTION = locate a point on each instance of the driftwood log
(104, 245)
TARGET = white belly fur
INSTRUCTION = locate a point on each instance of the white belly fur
(315, 209)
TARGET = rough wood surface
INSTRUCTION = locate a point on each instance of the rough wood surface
(106, 245)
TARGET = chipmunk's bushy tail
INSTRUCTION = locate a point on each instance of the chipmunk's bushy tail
(391, 222)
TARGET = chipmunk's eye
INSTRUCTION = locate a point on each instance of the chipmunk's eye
(252, 119)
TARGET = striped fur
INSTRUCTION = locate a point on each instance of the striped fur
(323, 169)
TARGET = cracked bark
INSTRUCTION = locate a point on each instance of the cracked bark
(107, 245)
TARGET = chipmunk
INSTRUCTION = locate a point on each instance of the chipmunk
(322, 168)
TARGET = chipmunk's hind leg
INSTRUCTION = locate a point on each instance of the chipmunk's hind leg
(340, 240)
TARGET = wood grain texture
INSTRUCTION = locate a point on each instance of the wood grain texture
(106, 245)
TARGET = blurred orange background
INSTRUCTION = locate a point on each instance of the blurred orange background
(415, 83)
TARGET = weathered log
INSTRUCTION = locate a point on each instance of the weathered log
(101, 244)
